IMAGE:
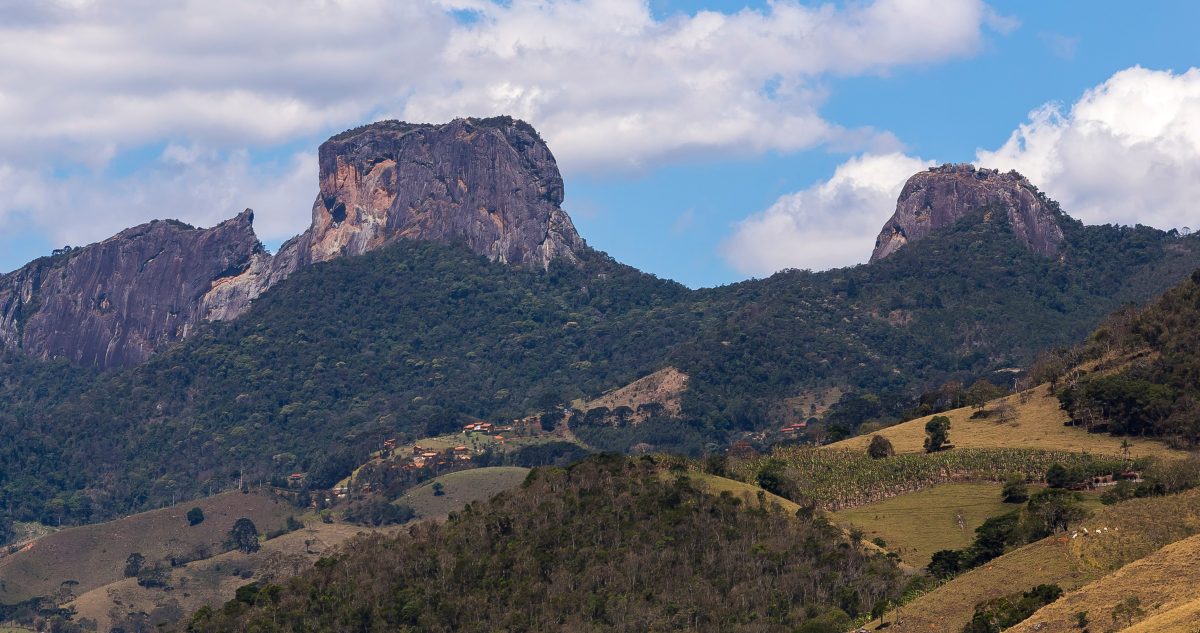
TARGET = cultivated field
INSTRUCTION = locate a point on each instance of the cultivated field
(461, 488)
(94, 555)
(1127, 532)
(1037, 423)
(918, 524)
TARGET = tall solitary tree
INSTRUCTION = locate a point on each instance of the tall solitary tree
(880, 447)
(937, 433)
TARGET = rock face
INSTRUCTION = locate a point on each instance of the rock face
(491, 184)
(941, 196)
(115, 302)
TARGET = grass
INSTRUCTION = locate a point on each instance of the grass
(1136, 529)
(213, 581)
(94, 555)
(918, 524)
(461, 488)
(1165, 582)
(477, 442)
(747, 492)
(1038, 424)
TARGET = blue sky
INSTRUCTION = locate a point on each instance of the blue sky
(703, 141)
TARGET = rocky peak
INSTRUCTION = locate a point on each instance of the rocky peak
(115, 302)
(489, 183)
(940, 196)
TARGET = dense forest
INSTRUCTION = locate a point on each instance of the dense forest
(1155, 393)
(611, 543)
(415, 338)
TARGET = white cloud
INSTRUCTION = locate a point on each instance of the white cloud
(831, 224)
(1128, 151)
(83, 82)
(611, 86)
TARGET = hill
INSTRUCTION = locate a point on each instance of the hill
(606, 544)
(1129, 531)
(461, 489)
(1163, 583)
(84, 558)
(1032, 419)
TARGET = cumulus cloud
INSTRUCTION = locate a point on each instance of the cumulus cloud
(1128, 151)
(831, 224)
(611, 86)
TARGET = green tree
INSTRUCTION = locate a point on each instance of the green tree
(1015, 491)
(243, 536)
(983, 392)
(945, 563)
(1128, 610)
(1057, 476)
(439, 489)
(195, 516)
(880, 447)
(937, 433)
(1054, 509)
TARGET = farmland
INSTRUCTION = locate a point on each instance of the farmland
(839, 479)
(918, 524)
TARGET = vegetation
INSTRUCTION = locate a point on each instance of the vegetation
(412, 340)
(937, 433)
(195, 516)
(610, 542)
(880, 447)
(243, 536)
(999, 614)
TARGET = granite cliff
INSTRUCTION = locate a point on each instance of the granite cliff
(491, 184)
(941, 196)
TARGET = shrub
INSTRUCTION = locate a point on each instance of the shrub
(195, 516)
(880, 447)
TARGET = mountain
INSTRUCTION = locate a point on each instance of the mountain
(940, 196)
(491, 184)
(115, 302)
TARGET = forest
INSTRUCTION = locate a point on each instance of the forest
(411, 340)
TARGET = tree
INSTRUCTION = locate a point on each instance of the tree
(1054, 509)
(1057, 476)
(1015, 491)
(195, 516)
(133, 564)
(770, 477)
(982, 392)
(243, 536)
(1128, 610)
(945, 563)
(439, 489)
(880, 447)
(937, 433)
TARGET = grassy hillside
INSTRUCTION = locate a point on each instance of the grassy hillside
(95, 555)
(210, 582)
(1164, 583)
(918, 524)
(1037, 422)
(462, 488)
(607, 544)
(1135, 529)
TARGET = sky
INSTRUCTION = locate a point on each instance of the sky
(706, 141)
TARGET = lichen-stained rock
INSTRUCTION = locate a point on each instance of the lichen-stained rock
(489, 183)
(115, 302)
(940, 196)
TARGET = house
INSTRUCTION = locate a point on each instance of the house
(1101, 481)
(461, 449)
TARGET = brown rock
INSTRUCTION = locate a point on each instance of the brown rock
(941, 196)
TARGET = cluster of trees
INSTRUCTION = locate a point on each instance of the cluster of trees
(413, 339)
(612, 543)
(998, 614)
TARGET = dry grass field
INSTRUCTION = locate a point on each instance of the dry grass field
(663, 387)
(212, 581)
(1038, 423)
(94, 555)
(1166, 583)
(1128, 532)
(461, 488)
(918, 524)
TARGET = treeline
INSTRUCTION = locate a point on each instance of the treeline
(611, 543)
(415, 339)
(1157, 393)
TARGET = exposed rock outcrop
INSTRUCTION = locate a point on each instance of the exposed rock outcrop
(941, 196)
(115, 302)
(491, 184)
